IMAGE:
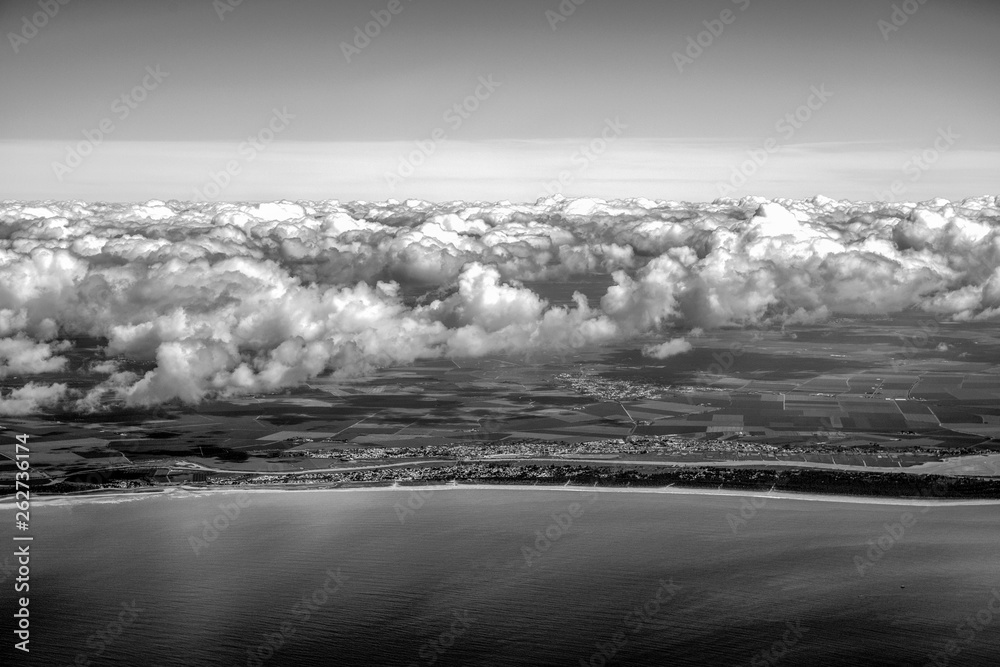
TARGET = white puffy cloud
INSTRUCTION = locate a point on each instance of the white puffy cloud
(22, 356)
(669, 348)
(207, 299)
(30, 398)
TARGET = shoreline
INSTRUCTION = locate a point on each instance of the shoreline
(109, 496)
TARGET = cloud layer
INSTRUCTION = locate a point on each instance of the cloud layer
(198, 300)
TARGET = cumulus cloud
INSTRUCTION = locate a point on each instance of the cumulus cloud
(196, 300)
(31, 398)
(670, 348)
(22, 356)
(109, 366)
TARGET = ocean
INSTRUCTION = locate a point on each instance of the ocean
(507, 576)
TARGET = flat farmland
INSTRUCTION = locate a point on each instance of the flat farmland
(800, 389)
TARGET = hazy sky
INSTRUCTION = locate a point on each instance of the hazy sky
(598, 100)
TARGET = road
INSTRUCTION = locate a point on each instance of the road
(965, 465)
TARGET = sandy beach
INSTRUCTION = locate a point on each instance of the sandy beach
(179, 492)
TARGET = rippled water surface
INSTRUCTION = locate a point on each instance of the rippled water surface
(645, 578)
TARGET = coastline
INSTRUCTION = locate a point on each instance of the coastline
(110, 496)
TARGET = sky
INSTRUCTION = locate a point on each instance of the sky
(515, 100)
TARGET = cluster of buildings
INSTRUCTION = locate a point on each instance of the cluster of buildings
(525, 448)
(610, 390)
(508, 448)
(673, 443)
(384, 475)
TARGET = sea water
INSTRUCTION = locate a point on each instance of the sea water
(506, 576)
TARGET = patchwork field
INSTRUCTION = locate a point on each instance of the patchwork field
(856, 392)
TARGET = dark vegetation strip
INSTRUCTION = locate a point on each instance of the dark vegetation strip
(870, 484)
